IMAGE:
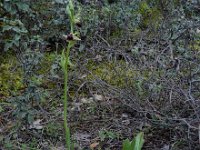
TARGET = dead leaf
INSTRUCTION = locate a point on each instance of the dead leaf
(98, 97)
(36, 125)
(126, 122)
(83, 76)
(165, 147)
(94, 145)
(87, 100)
(76, 107)
(82, 137)
(98, 57)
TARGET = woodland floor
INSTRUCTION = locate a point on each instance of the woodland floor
(98, 117)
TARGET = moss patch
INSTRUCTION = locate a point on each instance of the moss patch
(10, 75)
(151, 16)
(114, 73)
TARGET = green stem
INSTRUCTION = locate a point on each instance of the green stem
(67, 131)
(65, 68)
(72, 27)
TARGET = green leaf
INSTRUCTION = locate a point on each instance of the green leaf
(6, 28)
(22, 6)
(111, 134)
(71, 6)
(8, 7)
(138, 141)
(102, 135)
(68, 138)
(7, 46)
(126, 145)
(135, 144)
(19, 30)
(1, 109)
(63, 60)
(30, 118)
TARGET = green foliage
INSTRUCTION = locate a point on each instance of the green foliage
(110, 20)
(23, 21)
(195, 45)
(12, 28)
(121, 75)
(150, 16)
(52, 129)
(9, 145)
(26, 102)
(108, 71)
(104, 134)
(135, 144)
(10, 76)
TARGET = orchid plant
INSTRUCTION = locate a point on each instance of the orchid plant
(71, 38)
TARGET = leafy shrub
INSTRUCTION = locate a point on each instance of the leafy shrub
(22, 22)
(109, 19)
(27, 101)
